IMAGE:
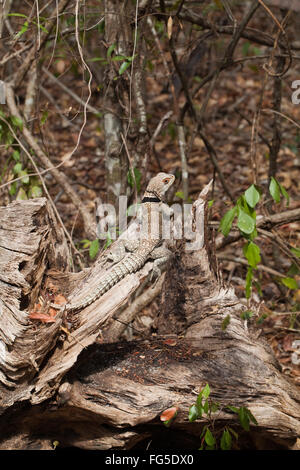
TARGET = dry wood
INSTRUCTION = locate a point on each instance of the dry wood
(111, 395)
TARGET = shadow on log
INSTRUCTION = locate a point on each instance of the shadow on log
(83, 391)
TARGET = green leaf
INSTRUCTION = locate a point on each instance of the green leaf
(274, 190)
(258, 288)
(261, 319)
(44, 117)
(85, 243)
(214, 406)
(235, 434)
(25, 179)
(21, 196)
(251, 417)
(209, 438)
(252, 196)
(16, 155)
(118, 58)
(124, 67)
(134, 180)
(108, 240)
(94, 248)
(41, 27)
(206, 406)
(22, 30)
(244, 418)
(17, 14)
(226, 222)
(9, 139)
(179, 194)
(245, 48)
(256, 50)
(199, 401)
(13, 188)
(232, 408)
(17, 168)
(205, 392)
(36, 191)
(296, 251)
(289, 282)
(252, 253)
(210, 203)
(246, 315)
(110, 50)
(245, 222)
(284, 193)
(248, 286)
(226, 440)
(193, 413)
(225, 322)
(17, 122)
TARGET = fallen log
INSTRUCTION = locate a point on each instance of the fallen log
(82, 391)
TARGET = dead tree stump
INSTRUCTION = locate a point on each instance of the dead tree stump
(82, 391)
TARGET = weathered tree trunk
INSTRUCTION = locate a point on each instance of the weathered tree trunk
(110, 395)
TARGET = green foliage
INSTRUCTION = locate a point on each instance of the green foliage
(250, 49)
(289, 282)
(226, 440)
(276, 190)
(26, 186)
(227, 220)
(248, 286)
(126, 60)
(212, 439)
(246, 315)
(94, 248)
(180, 195)
(244, 211)
(134, 179)
(252, 196)
(252, 253)
(296, 252)
(225, 322)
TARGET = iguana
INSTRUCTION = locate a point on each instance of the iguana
(146, 247)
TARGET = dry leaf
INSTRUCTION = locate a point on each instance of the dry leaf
(170, 342)
(168, 414)
(60, 299)
(170, 27)
(41, 317)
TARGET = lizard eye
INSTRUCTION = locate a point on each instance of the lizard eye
(166, 180)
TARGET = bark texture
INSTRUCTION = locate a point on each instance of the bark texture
(104, 395)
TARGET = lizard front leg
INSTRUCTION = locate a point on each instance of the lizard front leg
(160, 255)
(118, 253)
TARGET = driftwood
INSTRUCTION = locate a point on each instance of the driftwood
(83, 390)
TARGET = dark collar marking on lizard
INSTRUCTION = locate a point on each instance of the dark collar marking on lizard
(151, 199)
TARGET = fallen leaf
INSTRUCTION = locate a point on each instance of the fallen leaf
(41, 317)
(170, 342)
(168, 414)
(60, 299)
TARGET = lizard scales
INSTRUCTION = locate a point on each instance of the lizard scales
(153, 195)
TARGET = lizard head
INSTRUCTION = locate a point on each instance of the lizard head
(160, 184)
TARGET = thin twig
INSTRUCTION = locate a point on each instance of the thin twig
(70, 92)
(42, 181)
(59, 176)
(267, 110)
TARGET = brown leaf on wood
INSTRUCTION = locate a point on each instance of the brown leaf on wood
(60, 299)
(43, 317)
(168, 414)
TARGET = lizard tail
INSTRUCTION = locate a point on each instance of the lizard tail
(128, 265)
